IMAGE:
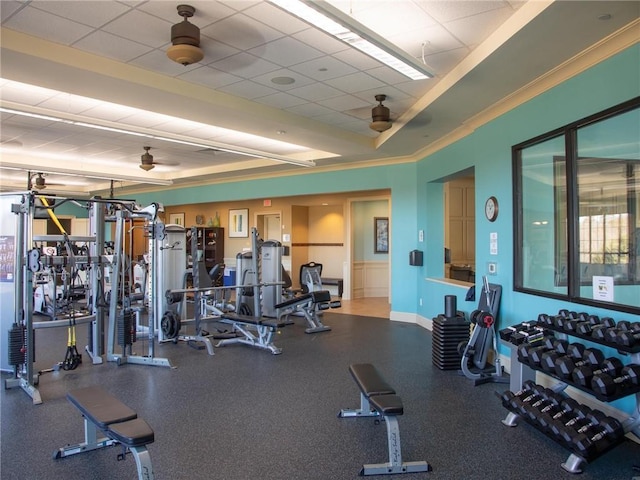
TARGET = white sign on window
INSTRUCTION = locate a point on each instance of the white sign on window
(603, 288)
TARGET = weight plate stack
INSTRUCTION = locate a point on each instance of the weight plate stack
(448, 333)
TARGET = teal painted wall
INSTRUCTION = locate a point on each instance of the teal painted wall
(488, 150)
(416, 193)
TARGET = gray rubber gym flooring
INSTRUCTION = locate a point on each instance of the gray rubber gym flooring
(246, 414)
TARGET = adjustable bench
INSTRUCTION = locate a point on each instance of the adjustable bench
(104, 413)
(308, 304)
(256, 331)
(379, 399)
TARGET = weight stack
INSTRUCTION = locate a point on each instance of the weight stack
(449, 330)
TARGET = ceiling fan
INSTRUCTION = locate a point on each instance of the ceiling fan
(147, 163)
(36, 180)
(146, 160)
(380, 115)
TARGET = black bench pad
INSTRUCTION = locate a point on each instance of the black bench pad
(387, 405)
(294, 300)
(321, 296)
(100, 406)
(369, 380)
(133, 433)
(259, 321)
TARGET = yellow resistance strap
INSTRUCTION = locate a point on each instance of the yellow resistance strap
(53, 215)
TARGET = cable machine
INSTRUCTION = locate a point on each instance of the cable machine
(71, 255)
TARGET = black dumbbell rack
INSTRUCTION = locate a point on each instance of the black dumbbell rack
(632, 424)
(602, 446)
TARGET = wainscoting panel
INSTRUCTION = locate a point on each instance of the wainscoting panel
(370, 279)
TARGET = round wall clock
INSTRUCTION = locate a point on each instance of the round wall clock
(491, 208)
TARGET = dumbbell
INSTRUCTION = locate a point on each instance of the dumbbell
(593, 419)
(563, 427)
(525, 350)
(565, 313)
(548, 415)
(546, 320)
(527, 387)
(531, 335)
(549, 358)
(586, 444)
(548, 399)
(565, 366)
(593, 322)
(605, 334)
(631, 337)
(550, 344)
(584, 374)
(520, 404)
(606, 384)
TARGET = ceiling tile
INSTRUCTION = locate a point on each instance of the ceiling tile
(320, 41)
(247, 89)
(286, 52)
(215, 50)
(298, 79)
(387, 75)
(448, 11)
(273, 16)
(473, 30)
(28, 96)
(207, 12)
(323, 68)
(357, 59)
(355, 82)
(310, 110)
(142, 28)
(316, 92)
(280, 100)
(112, 46)
(44, 25)
(209, 77)
(436, 39)
(343, 102)
(9, 7)
(244, 65)
(93, 14)
(66, 103)
(241, 32)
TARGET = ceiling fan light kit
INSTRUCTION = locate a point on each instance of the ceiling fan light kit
(146, 160)
(380, 116)
(185, 38)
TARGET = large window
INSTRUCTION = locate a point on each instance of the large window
(577, 198)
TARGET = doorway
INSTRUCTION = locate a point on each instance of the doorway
(269, 226)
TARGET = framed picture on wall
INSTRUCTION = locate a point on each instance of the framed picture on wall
(177, 218)
(239, 223)
(381, 234)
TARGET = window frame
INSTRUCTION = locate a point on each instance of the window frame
(570, 134)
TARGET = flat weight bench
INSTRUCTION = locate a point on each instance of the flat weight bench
(308, 304)
(104, 413)
(379, 399)
(256, 331)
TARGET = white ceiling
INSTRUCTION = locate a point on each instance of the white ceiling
(80, 54)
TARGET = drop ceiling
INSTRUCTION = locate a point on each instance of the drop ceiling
(285, 94)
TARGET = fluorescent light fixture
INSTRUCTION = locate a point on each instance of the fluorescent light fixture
(247, 152)
(72, 173)
(333, 21)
